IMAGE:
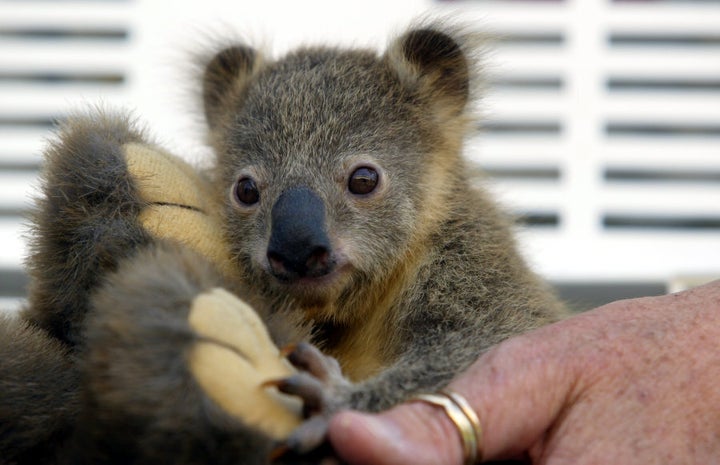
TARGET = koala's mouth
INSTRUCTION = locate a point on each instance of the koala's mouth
(318, 283)
(313, 265)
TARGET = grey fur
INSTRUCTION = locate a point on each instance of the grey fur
(299, 121)
(431, 275)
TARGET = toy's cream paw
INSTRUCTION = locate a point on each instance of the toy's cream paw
(233, 360)
(177, 204)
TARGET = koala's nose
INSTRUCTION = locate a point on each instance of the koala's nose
(299, 245)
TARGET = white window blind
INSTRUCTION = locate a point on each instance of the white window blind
(601, 123)
(54, 57)
(603, 128)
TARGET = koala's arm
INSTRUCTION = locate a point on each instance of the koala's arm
(449, 317)
(440, 351)
(447, 324)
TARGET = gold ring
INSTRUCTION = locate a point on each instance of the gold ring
(463, 417)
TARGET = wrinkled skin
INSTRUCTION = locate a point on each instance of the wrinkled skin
(632, 382)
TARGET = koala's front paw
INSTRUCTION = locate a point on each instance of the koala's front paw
(323, 390)
(234, 358)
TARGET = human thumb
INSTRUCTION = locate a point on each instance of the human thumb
(411, 433)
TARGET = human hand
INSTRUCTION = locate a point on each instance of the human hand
(635, 381)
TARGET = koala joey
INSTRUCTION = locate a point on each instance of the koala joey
(347, 201)
(350, 225)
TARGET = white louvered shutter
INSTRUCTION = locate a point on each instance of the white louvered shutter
(603, 128)
(54, 57)
(601, 121)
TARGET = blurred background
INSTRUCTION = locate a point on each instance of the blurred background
(601, 118)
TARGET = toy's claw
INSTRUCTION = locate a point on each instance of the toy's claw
(288, 349)
(279, 452)
(272, 383)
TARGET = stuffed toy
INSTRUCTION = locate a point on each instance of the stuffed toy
(118, 212)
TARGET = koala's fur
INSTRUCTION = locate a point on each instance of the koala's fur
(418, 276)
(432, 275)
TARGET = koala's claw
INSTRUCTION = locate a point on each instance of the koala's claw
(320, 385)
(323, 455)
(308, 358)
(308, 388)
(306, 444)
(308, 436)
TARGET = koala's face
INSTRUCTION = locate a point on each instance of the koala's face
(325, 166)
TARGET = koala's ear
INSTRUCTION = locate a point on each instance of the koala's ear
(225, 78)
(433, 62)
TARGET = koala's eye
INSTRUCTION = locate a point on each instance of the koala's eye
(246, 191)
(363, 181)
